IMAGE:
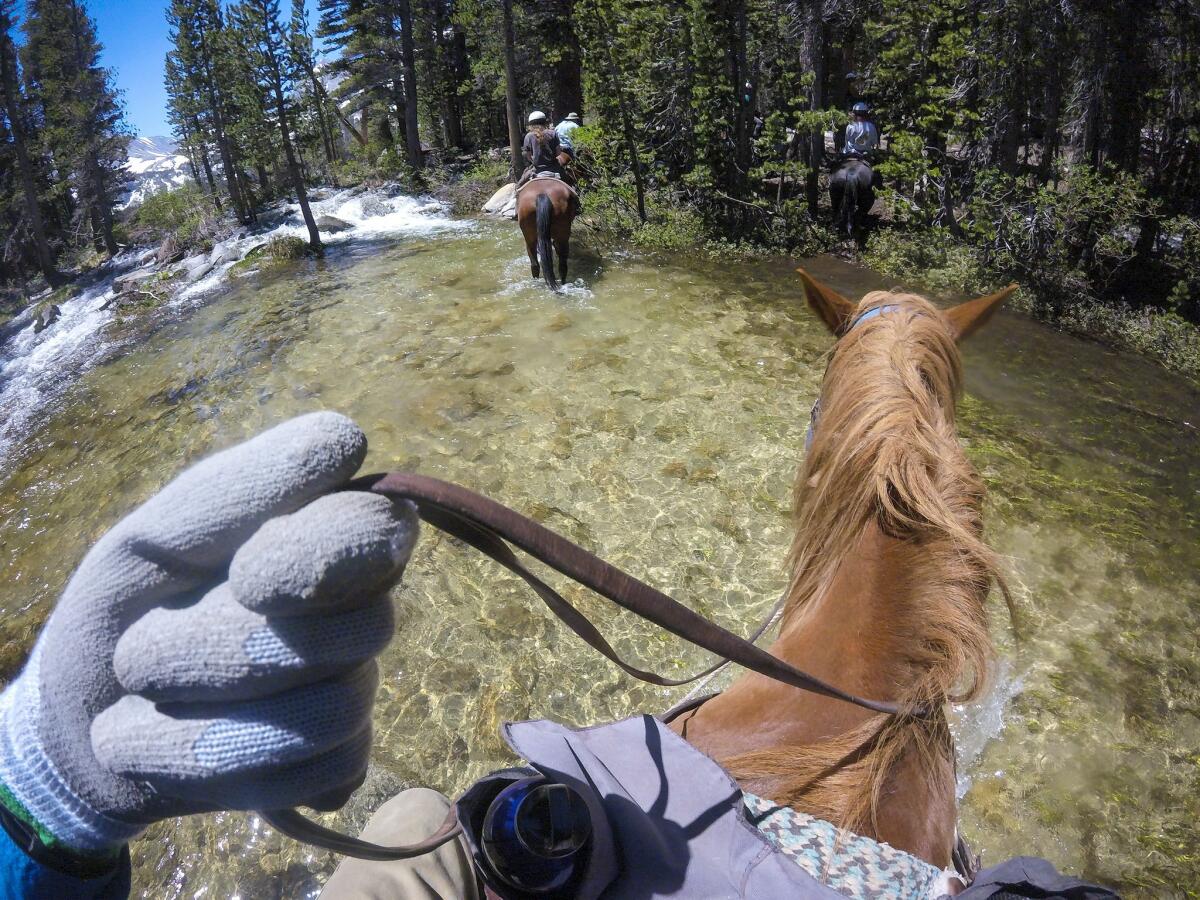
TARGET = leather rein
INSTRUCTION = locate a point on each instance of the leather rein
(490, 528)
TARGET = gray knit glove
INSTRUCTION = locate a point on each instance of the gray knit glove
(215, 650)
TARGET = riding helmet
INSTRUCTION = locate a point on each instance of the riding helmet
(537, 117)
(860, 107)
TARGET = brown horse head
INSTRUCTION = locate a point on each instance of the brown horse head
(888, 577)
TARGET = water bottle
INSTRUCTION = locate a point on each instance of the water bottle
(536, 837)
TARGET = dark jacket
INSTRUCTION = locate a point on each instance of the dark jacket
(542, 151)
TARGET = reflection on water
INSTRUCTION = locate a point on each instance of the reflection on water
(656, 414)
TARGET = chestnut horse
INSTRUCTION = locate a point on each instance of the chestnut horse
(889, 574)
(545, 209)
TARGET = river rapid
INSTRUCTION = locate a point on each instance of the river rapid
(654, 412)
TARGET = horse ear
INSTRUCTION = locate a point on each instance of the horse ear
(967, 318)
(834, 309)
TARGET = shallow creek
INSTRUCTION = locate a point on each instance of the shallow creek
(655, 413)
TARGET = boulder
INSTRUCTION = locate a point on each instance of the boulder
(332, 224)
(223, 253)
(196, 268)
(504, 202)
(46, 316)
(131, 280)
(375, 206)
(168, 251)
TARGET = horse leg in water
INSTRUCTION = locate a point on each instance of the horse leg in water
(563, 249)
(562, 240)
(529, 231)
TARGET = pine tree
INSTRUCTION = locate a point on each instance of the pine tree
(184, 111)
(84, 125)
(196, 28)
(266, 46)
(12, 105)
(304, 59)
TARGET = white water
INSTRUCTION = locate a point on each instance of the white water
(35, 369)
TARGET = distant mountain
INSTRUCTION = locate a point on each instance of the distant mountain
(155, 164)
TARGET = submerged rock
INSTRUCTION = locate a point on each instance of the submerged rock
(196, 268)
(223, 253)
(130, 281)
(332, 224)
(375, 206)
(46, 316)
(504, 202)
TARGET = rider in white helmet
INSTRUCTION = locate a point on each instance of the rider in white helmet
(541, 148)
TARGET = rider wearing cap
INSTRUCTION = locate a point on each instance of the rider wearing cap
(564, 128)
(862, 137)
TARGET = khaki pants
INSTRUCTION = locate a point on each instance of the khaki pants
(444, 874)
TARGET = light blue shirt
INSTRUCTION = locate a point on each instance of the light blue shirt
(861, 137)
(565, 127)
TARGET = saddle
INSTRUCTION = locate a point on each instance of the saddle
(554, 176)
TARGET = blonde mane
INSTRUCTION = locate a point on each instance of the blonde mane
(885, 451)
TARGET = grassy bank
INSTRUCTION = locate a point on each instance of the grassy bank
(936, 261)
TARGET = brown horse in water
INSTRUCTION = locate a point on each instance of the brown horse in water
(889, 574)
(545, 210)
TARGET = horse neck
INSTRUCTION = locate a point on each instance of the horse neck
(860, 632)
(882, 777)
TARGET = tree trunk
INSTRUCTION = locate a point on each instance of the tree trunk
(626, 123)
(91, 165)
(322, 119)
(16, 118)
(362, 137)
(208, 175)
(450, 112)
(314, 236)
(567, 77)
(412, 136)
(816, 39)
(1051, 121)
(240, 207)
(510, 91)
(743, 83)
(101, 209)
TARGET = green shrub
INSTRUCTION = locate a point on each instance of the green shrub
(286, 246)
(185, 213)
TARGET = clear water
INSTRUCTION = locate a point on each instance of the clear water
(656, 414)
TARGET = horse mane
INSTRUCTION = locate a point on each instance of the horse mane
(886, 452)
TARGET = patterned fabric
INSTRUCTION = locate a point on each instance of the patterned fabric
(855, 866)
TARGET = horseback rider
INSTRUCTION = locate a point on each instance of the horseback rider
(541, 149)
(564, 128)
(862, 137)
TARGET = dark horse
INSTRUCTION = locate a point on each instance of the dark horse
(545, 210)
(851, 195)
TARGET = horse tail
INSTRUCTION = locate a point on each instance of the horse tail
(545, 212)
(848, 214)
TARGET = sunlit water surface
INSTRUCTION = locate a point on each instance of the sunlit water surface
(656, 414)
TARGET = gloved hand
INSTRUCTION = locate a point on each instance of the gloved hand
(214, 650)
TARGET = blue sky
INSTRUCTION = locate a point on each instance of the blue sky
(134, 35)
